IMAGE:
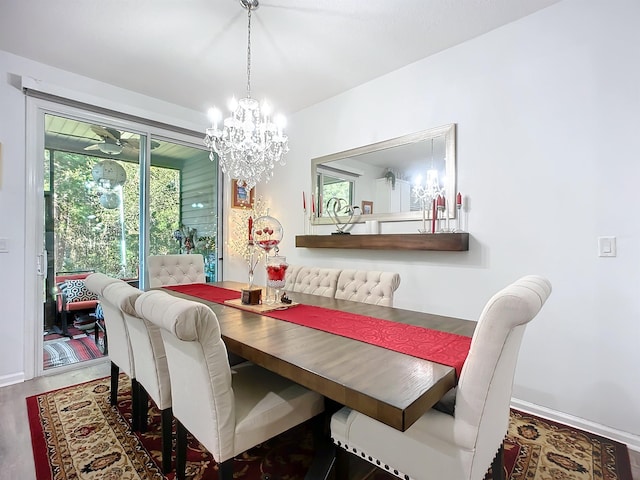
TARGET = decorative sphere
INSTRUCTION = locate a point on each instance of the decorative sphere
(110, 200)
(267, 232)
(109, 173)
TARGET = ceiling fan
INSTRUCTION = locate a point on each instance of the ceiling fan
(111, 142)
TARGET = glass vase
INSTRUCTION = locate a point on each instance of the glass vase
(276, 270)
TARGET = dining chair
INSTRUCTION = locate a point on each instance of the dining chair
(227, 411)
(461, 443)
(290, 277)
(316, 281)
(367, 286)
(175, 269)
(152, 374)
(117, 296)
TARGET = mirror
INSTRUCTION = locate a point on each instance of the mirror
(379, 179)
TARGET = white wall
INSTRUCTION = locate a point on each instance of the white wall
(547, 114)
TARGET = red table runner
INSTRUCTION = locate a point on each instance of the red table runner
(441, 347)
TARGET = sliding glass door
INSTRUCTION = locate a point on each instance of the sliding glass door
(113, 193)
(183, 208)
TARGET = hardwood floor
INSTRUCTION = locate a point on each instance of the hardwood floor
(16, 456)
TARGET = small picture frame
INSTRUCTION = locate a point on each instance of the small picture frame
(367, 207)
(241, 197)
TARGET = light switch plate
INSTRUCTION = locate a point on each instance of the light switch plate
(607, 246)
(4, 245)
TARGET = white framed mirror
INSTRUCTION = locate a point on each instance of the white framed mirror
(379, 178)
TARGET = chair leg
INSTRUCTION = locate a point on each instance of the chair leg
(181, 451)
(143, 408)
(135, 405)
(325, 456)
(115, 373)
(342, 464)
(167, 434)
(63, 329)
(99, 327)
(65, 323)
(225, 470)
(497, 466)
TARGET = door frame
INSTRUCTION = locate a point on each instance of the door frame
(36, 109)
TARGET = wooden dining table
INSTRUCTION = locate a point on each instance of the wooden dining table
(392, 387)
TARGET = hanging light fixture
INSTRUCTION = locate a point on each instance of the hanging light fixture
(250, 142)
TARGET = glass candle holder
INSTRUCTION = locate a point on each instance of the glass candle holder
(276, 271)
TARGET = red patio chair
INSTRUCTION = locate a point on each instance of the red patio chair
(72, 296)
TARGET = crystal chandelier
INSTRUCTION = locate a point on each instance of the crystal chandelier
(250, 142)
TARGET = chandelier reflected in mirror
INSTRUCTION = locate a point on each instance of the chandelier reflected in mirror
(251, 141)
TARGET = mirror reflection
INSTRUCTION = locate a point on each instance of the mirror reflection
(380, 179)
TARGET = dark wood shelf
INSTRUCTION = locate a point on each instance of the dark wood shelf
(447, 242)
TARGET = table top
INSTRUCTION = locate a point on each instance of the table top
(392, 387)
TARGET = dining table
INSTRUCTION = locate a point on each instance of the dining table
(394, 388)
(386, 384)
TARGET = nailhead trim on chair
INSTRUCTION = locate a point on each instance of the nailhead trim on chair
(371, 459)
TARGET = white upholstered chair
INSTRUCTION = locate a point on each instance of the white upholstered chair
(175, 269)
(290, 277)
(461, 445)
(316, 281)
(227, 411)
(367, 286)
(152, 373)
(115, 296)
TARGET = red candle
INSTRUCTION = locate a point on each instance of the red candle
(250, 230)
(313, 204)
(434, 214)
(304, 202)
(459, 200)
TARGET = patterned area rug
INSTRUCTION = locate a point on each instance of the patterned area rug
(66, 351)
(539, 449)
(76, 434)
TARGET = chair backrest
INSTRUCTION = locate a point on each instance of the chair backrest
(79, 275)
(97, 282)
(175, 269)
(72, 285)
(316, 281)
(368, 286)
(149, 356)
(198, 368)
(116, 297)
(291, 276)
(484, 389)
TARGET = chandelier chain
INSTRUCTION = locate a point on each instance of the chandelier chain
(249, 55)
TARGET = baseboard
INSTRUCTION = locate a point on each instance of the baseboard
(7, 380)
(632, 441)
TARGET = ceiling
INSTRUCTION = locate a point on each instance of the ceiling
(193, 52)
(70, 135)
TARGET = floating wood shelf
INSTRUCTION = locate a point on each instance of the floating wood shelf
(448, 242)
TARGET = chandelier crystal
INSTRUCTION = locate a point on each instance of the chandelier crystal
(250, 142)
